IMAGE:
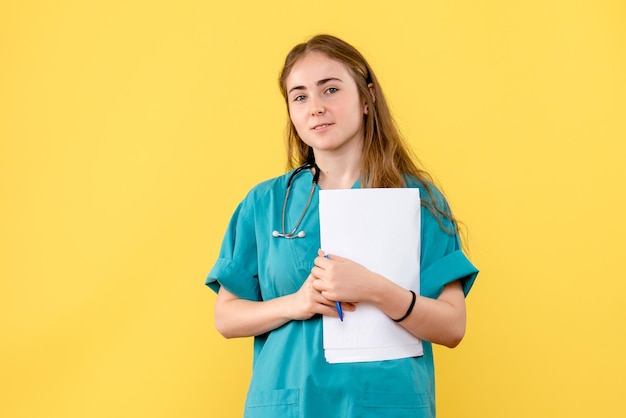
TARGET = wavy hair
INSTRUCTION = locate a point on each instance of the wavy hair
(386, 160)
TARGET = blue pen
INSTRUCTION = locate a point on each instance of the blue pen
(337, 303)
(339, 311)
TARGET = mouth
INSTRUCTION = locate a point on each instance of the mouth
(321, 126)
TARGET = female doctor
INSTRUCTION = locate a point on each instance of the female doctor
(274, 283)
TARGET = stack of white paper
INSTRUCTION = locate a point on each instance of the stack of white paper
(379, 229)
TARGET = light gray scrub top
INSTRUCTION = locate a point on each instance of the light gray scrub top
(291, 377)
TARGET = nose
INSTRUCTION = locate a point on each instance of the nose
(317, 108)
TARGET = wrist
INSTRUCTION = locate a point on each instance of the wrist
(409, 309)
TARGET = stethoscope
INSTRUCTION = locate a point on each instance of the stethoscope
(292, 233)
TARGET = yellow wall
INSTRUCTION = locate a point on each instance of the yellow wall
(129, 130)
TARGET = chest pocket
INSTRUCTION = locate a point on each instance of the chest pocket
(282, 403)
(287, 265)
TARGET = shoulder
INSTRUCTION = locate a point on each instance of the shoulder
(429, 193)
(267, 188)
(435, 207)
(257, 198)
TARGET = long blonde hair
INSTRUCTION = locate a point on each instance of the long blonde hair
(386, 160)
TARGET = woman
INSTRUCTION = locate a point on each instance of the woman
(274, 283)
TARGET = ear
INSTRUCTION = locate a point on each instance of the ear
(371, 87)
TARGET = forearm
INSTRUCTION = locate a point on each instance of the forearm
(236, 317)
(440, 321)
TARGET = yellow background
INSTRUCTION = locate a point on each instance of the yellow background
(129, 130)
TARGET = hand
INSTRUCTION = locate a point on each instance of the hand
(308, 301)
(339, 278)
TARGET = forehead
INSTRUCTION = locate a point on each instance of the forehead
(315, 66)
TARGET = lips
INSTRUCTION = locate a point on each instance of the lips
(321, 126)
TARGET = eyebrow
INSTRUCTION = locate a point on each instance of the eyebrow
(319, 83)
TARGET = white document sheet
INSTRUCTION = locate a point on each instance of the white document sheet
(379, 229)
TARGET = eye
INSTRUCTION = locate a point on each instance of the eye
(299, 98)
(332, 90)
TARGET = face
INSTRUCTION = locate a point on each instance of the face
(324, 105)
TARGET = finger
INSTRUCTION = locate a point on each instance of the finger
(329, 296)
(321, 262)
(328, 310)
(318, 287)
(321, 305)
(323, 256)
(335, 257)
(321, 298)
(347, 306)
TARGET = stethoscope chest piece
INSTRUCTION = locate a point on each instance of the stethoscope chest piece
(276, 234)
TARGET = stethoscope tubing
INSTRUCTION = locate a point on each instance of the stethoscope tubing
(292, 233)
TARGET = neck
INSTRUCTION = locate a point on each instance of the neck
(338, 172)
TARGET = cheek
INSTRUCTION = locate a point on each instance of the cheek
(296, 118)
(356, 113)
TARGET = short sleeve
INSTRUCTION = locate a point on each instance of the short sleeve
(442, 259)
(237, 266)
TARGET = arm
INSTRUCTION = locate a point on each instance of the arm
(440, 321)
(236, 317)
